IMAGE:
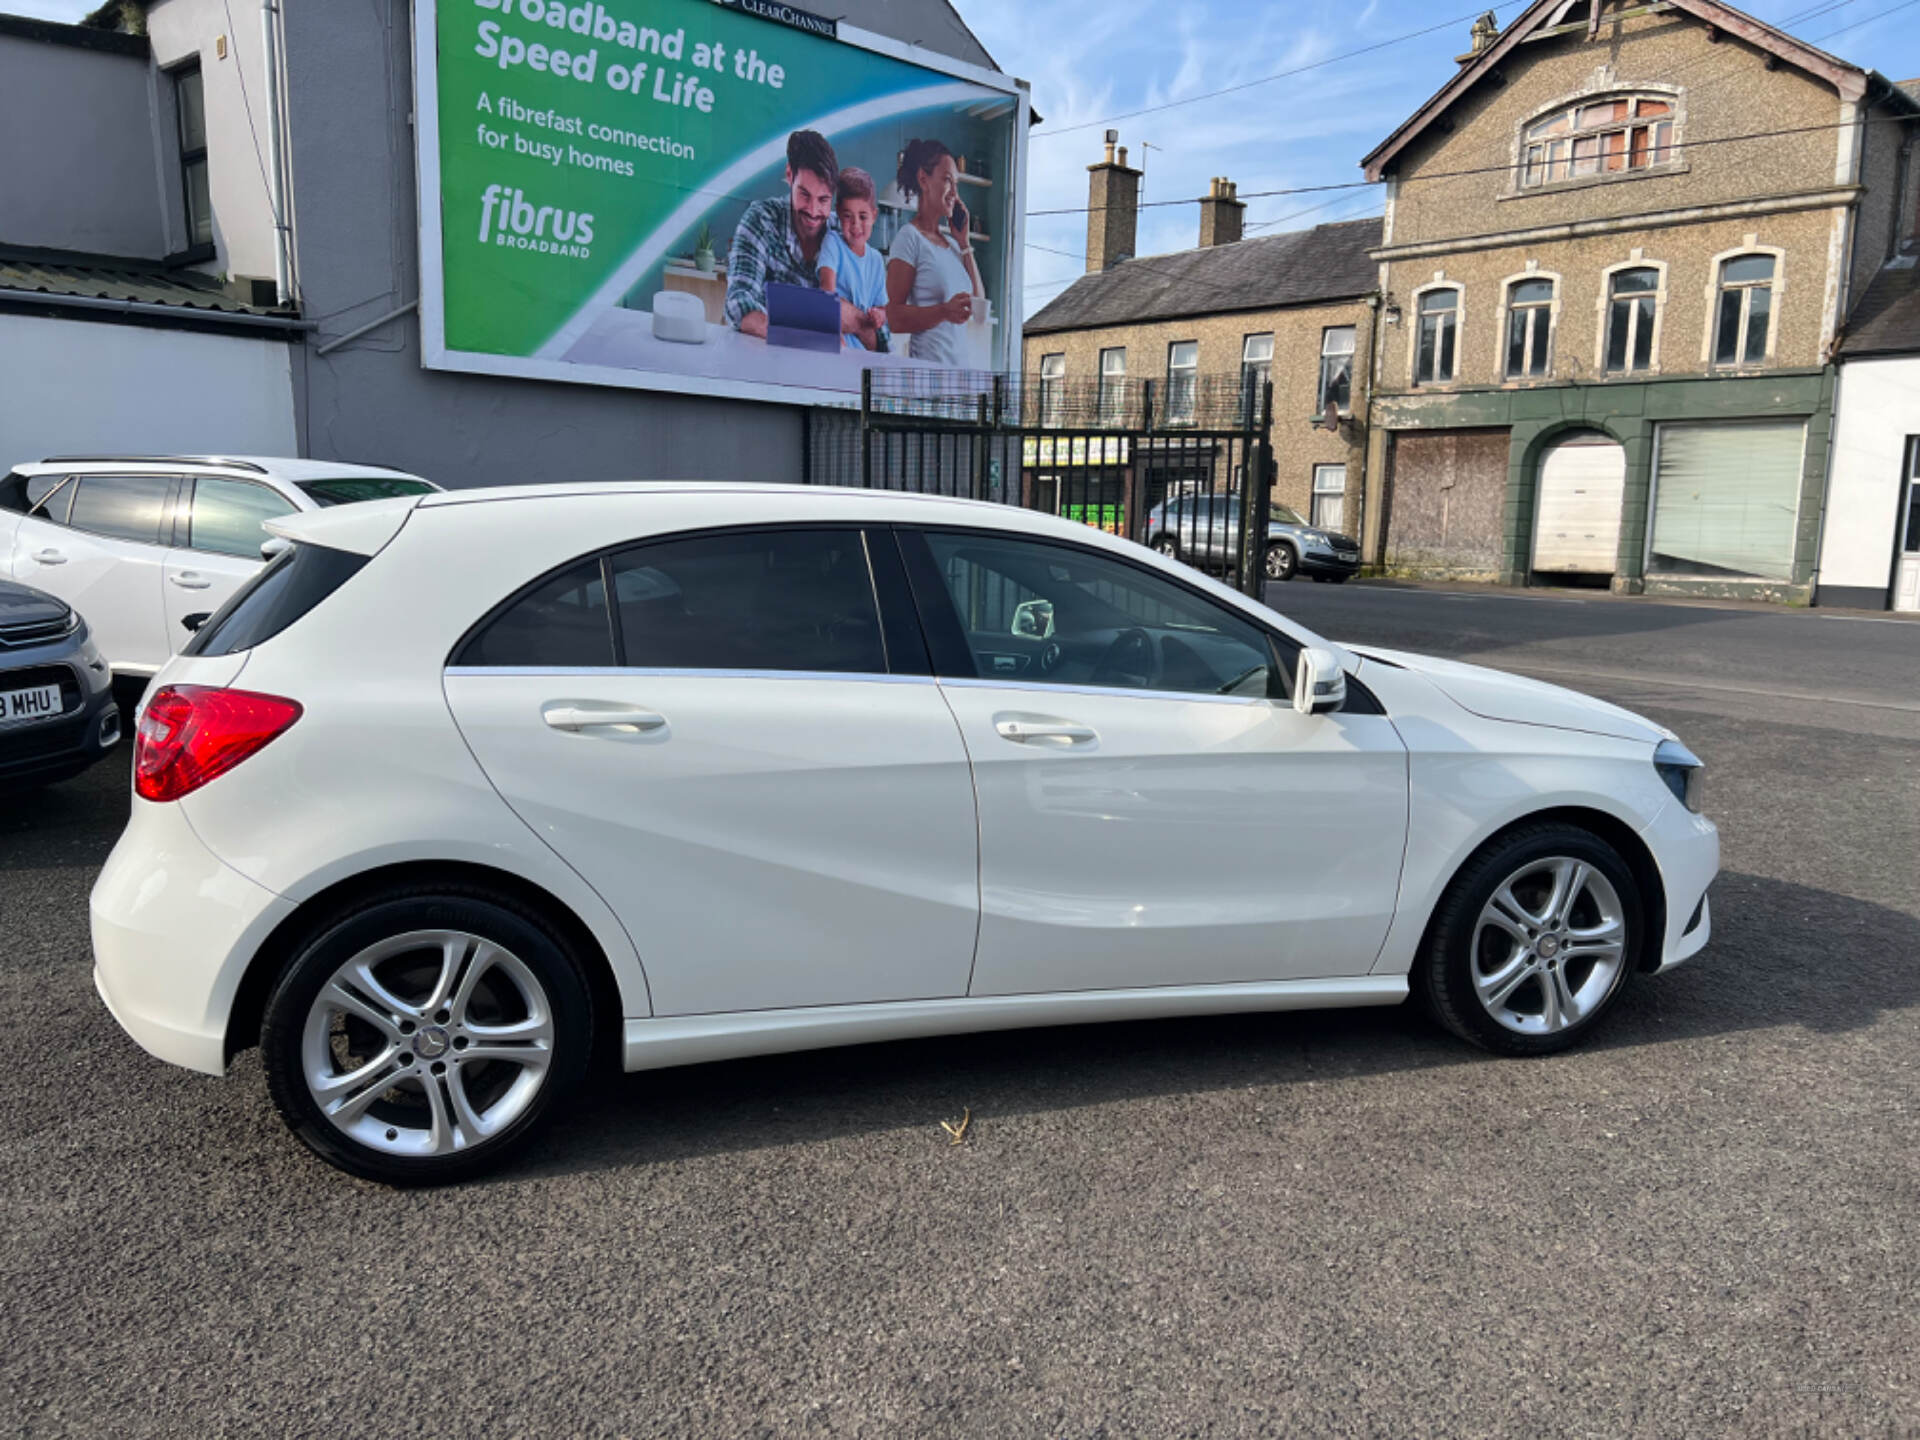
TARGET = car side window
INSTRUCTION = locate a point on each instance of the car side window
(227, 516)
(562, 622)
(1043, 613)
(121, 507)
(798, 599)
(48, 497)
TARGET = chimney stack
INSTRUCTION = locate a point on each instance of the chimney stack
(1485, 31)
(1113, 208)
(1222, 214)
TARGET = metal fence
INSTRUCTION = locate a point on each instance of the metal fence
(1183, 466)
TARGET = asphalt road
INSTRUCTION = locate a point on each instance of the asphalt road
(1704, 1223)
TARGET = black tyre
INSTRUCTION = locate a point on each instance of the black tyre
(1281, 562)
(424, 1036)
(1533, 941)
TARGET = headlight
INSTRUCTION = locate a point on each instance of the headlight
(1684, 772)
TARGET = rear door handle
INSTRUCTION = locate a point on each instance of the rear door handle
(50, 557)
(578, 715)
(1022, 731)
(189, 580)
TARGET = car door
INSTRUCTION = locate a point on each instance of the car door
(768, 789)
(217, 538)
(100, 549)
(1153, 811)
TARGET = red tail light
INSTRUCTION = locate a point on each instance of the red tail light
(189, 734)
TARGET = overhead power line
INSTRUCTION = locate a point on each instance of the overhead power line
(1466, 19)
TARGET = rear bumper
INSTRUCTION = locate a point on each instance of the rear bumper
(173, 931)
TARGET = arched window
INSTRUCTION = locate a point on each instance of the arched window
(1597, 137)
(1529, 329)
(1744, 319)
(1437, 342)
(1633, 306)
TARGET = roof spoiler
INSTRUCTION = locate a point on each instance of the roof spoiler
(359, 529)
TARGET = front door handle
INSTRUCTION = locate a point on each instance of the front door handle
(189, 580)
(50, 557)
(577, 715)
(1024, 730)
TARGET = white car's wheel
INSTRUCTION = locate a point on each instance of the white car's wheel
(424, 1037)
(1533, 941)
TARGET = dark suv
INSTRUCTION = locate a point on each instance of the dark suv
(57, 713)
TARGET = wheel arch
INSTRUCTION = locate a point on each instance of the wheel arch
(248, 1010)
(1626, 843)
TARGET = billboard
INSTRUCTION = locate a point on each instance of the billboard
(719, 197)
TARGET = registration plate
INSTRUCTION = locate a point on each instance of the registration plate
(41, 702)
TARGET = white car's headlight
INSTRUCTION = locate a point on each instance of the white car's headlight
(1684, 772)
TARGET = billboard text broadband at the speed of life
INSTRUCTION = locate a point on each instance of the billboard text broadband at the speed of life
(711, 198)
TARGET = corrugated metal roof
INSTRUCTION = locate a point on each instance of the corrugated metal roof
(114, 280)
(1887, 319)
(1303, 267)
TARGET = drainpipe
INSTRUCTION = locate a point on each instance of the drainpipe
(276, 170)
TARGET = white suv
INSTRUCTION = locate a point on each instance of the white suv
(146, 547)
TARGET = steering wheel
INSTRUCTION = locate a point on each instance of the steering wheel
(1129, 657)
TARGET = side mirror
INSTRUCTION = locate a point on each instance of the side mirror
(273, 546)
(1033, 619)
(1319, 684)
(194, 621)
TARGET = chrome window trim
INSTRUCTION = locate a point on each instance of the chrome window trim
(684, 673)
(967, 682)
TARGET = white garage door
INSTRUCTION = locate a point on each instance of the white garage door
(1577, 524)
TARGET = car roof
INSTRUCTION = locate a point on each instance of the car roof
(273, 467)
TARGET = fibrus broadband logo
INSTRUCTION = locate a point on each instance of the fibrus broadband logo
(508, 218)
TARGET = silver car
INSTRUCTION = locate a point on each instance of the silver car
(57, 714)
(1203, 530)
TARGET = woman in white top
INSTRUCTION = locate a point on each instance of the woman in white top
(932, 280)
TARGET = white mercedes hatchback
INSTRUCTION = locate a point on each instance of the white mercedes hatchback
(464, 787)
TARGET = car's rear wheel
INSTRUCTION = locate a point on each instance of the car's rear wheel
(1533, 942)
(1281, 562)
(424, 1037)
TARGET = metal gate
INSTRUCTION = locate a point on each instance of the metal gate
(1171, 466)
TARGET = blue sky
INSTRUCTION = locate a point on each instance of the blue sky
(1092, 62)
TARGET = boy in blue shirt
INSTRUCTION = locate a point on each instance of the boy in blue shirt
(848, 266)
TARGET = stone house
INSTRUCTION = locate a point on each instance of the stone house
(1231, 313)
(1618, 247)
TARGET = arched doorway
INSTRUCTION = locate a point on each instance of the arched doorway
(1576, 527)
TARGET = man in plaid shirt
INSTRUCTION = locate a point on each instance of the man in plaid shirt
(778, 240)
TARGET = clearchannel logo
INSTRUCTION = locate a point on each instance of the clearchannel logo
(509, 219)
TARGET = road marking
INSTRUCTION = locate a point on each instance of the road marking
(1870, 619)
(1618, 678)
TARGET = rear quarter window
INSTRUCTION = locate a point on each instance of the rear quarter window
(291, 585)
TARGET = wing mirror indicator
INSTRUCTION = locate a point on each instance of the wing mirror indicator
(1319, 684)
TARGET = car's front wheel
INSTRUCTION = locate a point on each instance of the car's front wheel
(1533, 942)
(424, 1037)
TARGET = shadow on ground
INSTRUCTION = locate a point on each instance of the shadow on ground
(1782, 955)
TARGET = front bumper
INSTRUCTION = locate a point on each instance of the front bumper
(173, 931)
(44, 751)
(1686, 848)
(1324, 562)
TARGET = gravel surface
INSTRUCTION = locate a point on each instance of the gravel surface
(1313, 1224)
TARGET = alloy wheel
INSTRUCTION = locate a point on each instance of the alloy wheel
(1280, 562)
(427, 1043)
(1549, 947)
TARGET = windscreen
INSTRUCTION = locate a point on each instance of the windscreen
(293, 582)
(352, 489)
